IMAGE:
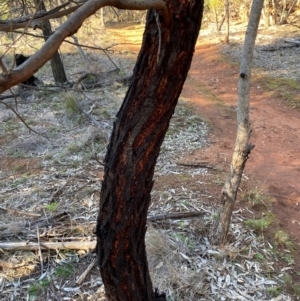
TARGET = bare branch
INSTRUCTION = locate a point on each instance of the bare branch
(2, 66)
(34, 20)
(71, 26)
(22, 119)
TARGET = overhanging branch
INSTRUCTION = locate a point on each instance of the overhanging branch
(71, 26)
(33, 20)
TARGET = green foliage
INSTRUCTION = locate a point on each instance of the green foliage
(259, 257)
(52, 206)
(37, 288)
(289, 259)
(283, 239)
(285, 88)
(274, 291)
(65, 271)
(214, 4)
(71, 106)
(254, 197)
(261, 224)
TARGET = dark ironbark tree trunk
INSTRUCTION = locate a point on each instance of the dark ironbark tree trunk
(138, 133)
(57, 66)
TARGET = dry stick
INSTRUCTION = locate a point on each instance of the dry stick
(74, 245)
(175, 215)
(2, 97)
(22, 120)
(87, 245)
(69, 42)
(59, 190)
(40, 251)
(85, 273)
(2, 66)
(197, 165)
(20, 212)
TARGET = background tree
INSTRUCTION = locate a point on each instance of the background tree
(57, 66)
(242, 147)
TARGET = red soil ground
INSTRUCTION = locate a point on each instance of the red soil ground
(273, 168)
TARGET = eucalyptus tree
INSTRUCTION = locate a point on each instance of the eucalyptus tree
(171, 31)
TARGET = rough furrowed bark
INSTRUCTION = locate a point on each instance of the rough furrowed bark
(138, 133)
(242, 147)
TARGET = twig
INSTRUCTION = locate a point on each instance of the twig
(70, 42)
(22, 120)
(197, 165)
(14, 211)
(59, 190)
(85, 273)
(39, 247)
(174, 215)
(8, 96)
(2, 66)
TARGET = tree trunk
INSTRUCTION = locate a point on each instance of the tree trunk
(242, 147)
(275, 9)
(57, 66)
(216, 18)
(226, 2)
(138, 133)
(222, 22)
(266, 13)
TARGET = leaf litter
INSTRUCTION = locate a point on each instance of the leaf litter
(50, 193)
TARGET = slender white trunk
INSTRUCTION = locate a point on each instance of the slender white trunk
(242, 147)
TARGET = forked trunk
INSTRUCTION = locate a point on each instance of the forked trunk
(242, 147)
(138, 133)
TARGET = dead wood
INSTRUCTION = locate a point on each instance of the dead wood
(74, 245)
(175, 215)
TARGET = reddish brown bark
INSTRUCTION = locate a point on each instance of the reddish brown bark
(138, 133)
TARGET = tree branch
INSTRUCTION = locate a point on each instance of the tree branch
(34, 20)
(71, 26)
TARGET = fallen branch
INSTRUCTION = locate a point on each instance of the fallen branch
(174, 215)
(74, 245)
(197, 165)
(85, 273)
(14, 211)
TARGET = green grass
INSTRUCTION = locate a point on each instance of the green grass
(283, 239)
(259, 225)
(52, 206)
(284, 88)
(37, 288)
(65, 271)
(274, 291)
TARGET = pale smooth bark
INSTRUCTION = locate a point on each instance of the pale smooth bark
(242, 147)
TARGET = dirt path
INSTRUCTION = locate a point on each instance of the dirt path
(274, 164)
